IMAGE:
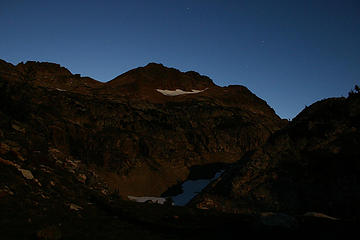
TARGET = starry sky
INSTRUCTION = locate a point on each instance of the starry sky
(290, 53)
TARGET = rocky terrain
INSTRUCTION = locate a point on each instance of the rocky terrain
(125, 130)
(72, 149)
(311, 165)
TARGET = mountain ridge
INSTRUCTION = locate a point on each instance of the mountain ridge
(72, 151)
(128, 138)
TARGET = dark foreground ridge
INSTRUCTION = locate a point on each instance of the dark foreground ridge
(72, 149)
(311, 165)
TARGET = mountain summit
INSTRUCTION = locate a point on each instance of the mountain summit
(157, 76)
(154, 81)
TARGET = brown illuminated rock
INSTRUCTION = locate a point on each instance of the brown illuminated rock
(137, 138)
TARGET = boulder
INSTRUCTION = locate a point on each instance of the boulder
(26, 173)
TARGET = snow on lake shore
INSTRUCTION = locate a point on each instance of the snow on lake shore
(157, 200)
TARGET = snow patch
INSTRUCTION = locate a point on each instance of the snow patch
(61, 90)
(148, 199)
(177, 92)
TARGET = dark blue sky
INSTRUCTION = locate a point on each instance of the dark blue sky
(290, 53)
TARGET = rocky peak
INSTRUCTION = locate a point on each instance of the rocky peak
(157, 76)
(42, 69)
(49, 75)
(155, 65)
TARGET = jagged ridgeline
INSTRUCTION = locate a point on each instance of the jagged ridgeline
(139, 133)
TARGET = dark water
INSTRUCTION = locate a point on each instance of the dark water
(191, 188)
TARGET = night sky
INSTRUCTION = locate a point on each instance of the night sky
(290, 53)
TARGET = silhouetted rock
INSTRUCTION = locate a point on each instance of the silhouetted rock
(312, 165)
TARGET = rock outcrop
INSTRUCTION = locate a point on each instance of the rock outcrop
(310, 165)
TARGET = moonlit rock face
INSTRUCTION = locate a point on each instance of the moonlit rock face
(177, 92)
(145, 199)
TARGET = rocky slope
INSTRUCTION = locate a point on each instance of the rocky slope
(136, 139)
(69, 145)
(312, 165)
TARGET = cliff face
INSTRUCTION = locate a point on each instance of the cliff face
(312, 165)
(135, 139)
